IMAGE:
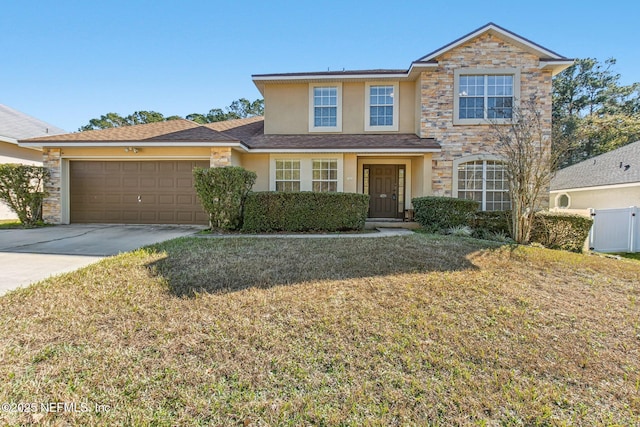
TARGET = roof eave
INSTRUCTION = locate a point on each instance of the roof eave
(261, 79)
(540, 50)
(390, 151)
(107, 144)
(556, 67)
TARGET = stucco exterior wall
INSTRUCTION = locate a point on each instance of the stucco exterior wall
(11, 153)
(287, 108)
(258, 163)
(437, 99)
(605, 198)
(119, 153)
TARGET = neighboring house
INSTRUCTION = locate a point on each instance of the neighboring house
(610, 180)
(15, 125)
(392, 134)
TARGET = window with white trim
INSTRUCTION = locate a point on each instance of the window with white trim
(484, 95)
(484, 181)
(325, 175)
(287, 175)
(325, 112)
(381, 107)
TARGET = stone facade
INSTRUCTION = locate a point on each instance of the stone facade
(52, 207)
(437, 102)
(220, 157)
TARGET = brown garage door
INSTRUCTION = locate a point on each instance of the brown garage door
(147, 192)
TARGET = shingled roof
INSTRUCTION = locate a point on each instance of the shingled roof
(15, 125)
(149, 131)
(621, 166)
(247, 133)
(355, 142)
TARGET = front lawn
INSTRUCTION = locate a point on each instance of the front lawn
(389, 331)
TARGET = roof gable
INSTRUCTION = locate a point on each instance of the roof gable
(502, 33)
(15, 125)
(620, 166)
(549, 60)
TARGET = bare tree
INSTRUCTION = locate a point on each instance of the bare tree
(524, 142)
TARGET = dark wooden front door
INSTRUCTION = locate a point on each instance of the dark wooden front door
(383, 190)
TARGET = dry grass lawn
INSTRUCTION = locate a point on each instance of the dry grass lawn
(397, 331)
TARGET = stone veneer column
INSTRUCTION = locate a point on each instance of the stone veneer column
(52, 206)
(436, 95)
(220, 157)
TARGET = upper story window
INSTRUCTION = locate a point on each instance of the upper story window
(381, 107)
(325, 112)
(484, 95)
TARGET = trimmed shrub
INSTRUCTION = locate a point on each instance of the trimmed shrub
(222, 192)
(491, 221)
(560, 231)
(441, 213)
(22, 189)
(304, 211)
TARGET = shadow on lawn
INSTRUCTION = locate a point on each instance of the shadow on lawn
(225, 265)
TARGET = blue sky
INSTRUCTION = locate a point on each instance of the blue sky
(67, 61)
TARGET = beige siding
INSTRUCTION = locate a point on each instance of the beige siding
(421, 177)
(11, 153)
(258, 163)
(407, 123)
(350, 173)
(607, 198)
(353, 108)
(143, 152)
(287, 108)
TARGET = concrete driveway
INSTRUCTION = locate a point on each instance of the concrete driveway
(27, 256)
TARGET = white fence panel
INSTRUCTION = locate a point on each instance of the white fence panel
(615, 230)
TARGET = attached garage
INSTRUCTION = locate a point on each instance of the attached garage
(134, 192)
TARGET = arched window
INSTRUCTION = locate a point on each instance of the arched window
(563, 201)
(484, 180)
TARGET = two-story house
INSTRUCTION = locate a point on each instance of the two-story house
(392, 134)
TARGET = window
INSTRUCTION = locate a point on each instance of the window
(287, 175)
(325, 112)
(381, 107)
(306, 172)
(563, 201)
(325, 175)
(484, 181)
(482, 95)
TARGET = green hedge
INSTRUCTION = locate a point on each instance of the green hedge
(222, 192)
(22, 190)
(491, 221)
(440, 213)
(561, 231)
(304, 211)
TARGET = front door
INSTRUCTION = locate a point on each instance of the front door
(384, 190)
